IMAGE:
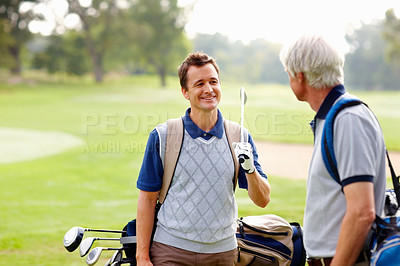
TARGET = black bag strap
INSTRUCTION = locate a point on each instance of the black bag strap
(395, 179)
(385, 225)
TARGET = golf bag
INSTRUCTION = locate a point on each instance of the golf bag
(269, 240)
(386, 242)
(386, 232)
(383, 243)
(130, 246)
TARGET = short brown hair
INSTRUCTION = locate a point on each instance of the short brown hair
(194, 59)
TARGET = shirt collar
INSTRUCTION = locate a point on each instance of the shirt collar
(330, 99)
(327, 104)
(195, 132)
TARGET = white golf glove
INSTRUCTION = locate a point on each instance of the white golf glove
(244, 153)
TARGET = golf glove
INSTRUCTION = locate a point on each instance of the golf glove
(244, 153)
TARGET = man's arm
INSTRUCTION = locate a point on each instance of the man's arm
(360, 213)
(258, 189)
(257, 186)
(144, 225)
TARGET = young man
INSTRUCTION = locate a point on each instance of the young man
(337, 218)
(196, 222)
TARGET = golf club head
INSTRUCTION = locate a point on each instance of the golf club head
(243, 95)
(85, 246)
(115, 259)
(93, 256)
(73, 238)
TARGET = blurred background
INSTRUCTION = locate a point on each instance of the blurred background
(83, 82)
(103, 38)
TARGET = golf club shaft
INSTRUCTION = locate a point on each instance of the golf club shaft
(242, 100)
(242, 103)
(105, 230)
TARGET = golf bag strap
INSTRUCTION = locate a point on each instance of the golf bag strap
(232, 132)
(175, 133)
(328, 153)
(327, 145)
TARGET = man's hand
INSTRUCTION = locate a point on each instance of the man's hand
(244, 153)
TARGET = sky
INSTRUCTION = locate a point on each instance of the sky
(281, 21)
(278, 21)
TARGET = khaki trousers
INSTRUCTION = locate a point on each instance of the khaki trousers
(161, 255)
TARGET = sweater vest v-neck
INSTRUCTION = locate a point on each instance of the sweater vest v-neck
(200, 210)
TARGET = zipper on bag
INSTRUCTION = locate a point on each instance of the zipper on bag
(256, 254)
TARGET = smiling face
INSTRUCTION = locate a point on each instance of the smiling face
(203, 88)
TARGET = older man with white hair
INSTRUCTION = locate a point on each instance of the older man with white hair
(337, 218)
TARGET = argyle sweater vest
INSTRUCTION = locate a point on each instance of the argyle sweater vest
(200, 210)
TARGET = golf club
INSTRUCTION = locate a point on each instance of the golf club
(74, 236)
(243, 100)
(115, 259)
(88, 242)
(123, 261)
(94, 255)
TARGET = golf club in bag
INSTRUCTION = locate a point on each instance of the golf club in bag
(74, 236)
(74, 239)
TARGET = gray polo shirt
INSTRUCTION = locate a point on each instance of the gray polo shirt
(360, 153)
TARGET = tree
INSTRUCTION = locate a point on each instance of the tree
(99, 28)
(163, 43)
(5, 42)
(76, 56)
(53, 57)
(64, 54)
(365, 66)
(392, 36)
(14, 33)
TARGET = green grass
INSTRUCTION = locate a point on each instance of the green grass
(95, 185)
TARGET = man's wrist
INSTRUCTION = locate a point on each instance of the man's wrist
(250, 171)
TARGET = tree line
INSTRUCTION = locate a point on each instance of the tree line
(148, 36)
(132, 35)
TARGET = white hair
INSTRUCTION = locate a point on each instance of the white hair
(318, 60)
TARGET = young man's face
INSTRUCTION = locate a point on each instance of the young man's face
(203, 88)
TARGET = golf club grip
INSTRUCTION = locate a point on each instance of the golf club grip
(241, 158)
